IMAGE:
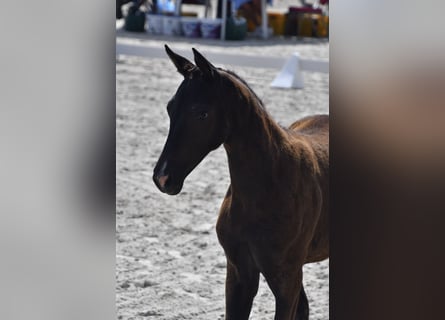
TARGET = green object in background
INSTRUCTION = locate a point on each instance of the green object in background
(236, 28)
(135, 20)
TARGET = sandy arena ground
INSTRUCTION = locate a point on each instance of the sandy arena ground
(169, 263)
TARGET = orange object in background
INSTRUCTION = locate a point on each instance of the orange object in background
(250, 25)
(313, 25)
(277, 22)
(305, 25)
(307, 22)
(322, 26)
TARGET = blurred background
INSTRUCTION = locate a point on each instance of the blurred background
(57, 156)
(387, 103)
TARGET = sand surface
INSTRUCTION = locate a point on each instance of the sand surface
(169, 263)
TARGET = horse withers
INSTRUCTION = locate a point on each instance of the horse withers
(274, 217)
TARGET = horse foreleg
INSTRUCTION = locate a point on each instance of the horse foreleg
(286, 286)
(303, 306)
(241, 288)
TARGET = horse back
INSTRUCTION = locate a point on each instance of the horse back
(314, 132)
(311, 125)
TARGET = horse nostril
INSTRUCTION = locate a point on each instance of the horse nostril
(162, 181)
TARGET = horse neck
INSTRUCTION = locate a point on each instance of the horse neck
(255, 143)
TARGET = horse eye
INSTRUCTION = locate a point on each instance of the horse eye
(203, 115)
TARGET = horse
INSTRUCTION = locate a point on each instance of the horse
(274, 217)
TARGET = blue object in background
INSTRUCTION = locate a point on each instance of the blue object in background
(165, 6)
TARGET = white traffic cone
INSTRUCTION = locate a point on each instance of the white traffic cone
(290, 75)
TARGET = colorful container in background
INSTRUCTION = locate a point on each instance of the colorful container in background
(171, 26)
(321, 26)
(211, 28)
(236, 28)
(299, 21)
(154, 23)
(277, 22)
(191, 27)
(305, 25)
(135, 21)
(313, 25)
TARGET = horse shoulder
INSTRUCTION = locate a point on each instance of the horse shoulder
(224, 230)
(230, 229)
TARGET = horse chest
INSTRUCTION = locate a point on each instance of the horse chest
(253, 230)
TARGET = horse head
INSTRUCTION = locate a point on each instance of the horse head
(197, 121)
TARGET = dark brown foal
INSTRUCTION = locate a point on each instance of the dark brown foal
(274, 218)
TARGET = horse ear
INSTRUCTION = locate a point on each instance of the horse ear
(183, 65)
(204, 65)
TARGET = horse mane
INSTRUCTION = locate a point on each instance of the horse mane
(252, 93)
(273, 132)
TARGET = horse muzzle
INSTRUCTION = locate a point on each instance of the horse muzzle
(166, 184)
